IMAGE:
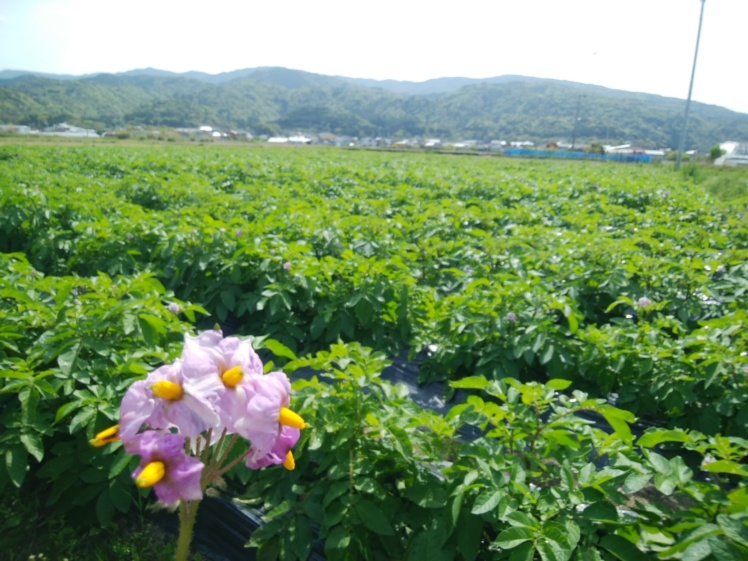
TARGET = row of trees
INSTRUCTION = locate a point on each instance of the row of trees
(534, 109)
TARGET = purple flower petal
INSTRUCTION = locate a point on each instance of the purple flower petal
(182, 472)
(206, 358)
(191, 414)
(287, 439)
(260, 423)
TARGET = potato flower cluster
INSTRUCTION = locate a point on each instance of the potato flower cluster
(217, 389)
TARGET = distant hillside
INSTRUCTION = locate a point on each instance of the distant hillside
(274, 100)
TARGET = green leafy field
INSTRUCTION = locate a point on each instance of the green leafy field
(542, 289)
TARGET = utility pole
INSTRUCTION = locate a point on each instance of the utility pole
(576, 121)
(690, 90)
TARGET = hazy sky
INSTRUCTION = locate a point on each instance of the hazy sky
(637, 45)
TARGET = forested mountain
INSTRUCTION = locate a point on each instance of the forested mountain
(275, 100)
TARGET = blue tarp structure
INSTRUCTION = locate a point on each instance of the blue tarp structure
(566, 154)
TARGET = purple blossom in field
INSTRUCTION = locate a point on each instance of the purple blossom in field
(181, 473)
(222, 369)
(260, 423)
(287, 265)
(174, 308)
(287, 439)
(708, 460)
(162, 401)
(644, 302)
(239, 233)
(511, 316)
(666, 193)
(272, 252)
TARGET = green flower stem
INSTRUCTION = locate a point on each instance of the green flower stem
(187, 516)
(222, 457)
(233, 463)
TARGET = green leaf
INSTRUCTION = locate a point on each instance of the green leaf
(335, 490)
(469, 535)
(364, 311)
(618, 419)
(150, 327)
(517, 518)
(636, 482)
(29, 404)
(430, 495)
(269, 550)
(560, 535)
(665, 484)
(266, 531)
(278, 510)
(16, 461)
(302, 538)
(588, 554)
(456, 507)
(67, 359)
(697, 551)
(525, 552)
(279, 349)
(622, 549)
(339, 538)
(658, 436)
(66, 409)
(83, 417)
(486, 502)
(120, 498)
(471, 383)
(726, 466)
(104, 509)
(558, 384)
(33, 443)
(601, 511)
(547, 355)
(373, 518)
(659, 462)
(724, 550)
(228, 299)
(734, 528)
(551, 551)
(512, 537)
(427, 546)
(119, 464)
(573, 323)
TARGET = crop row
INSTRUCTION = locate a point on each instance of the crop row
(627, 281)
(514, 279)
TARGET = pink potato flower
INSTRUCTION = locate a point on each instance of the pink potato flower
(162, 401)
(222, 369)
(261, 423)
(164, 465)
(279, 453)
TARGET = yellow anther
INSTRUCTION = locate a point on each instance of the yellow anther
(290, 419)
(165, 389)
(289, 463)
(151, 474)
(105, 437)
(232, 377)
